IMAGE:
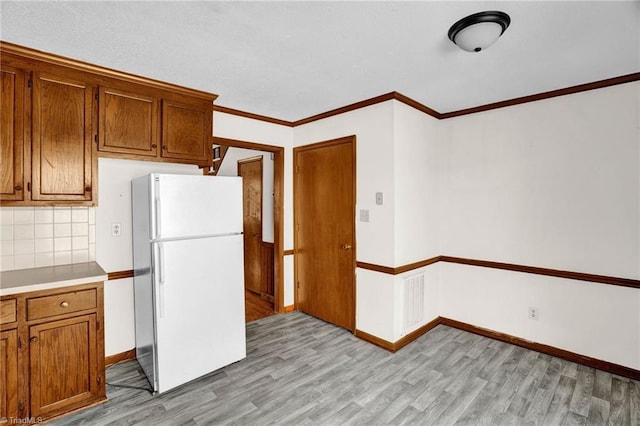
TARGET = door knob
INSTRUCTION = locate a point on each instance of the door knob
(346, 246)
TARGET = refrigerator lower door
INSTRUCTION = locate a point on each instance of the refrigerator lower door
(200, 324)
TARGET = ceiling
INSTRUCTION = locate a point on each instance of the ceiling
(291, 60)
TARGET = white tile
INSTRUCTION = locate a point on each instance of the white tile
(23, 232)
(92, 252)
(79, 256)
(79, 243)
(62, 258)
(44, 230)
(44, 259)
(43, 215)
(62, 230)
(92, 215)
(44, 245)
(24, 261)
(62, 215)
(6, 232)
(62, 244)
(92, 234)
(6, 248)
(23, 247)
(79, 214)
(79, 229)
(6, 217)
(6, 263)
(23, 216)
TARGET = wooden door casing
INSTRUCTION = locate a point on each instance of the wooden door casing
(251, 171)
(12, 134)
(62, 139)
(324, 216)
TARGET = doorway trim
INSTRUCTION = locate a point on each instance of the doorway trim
(278, 211)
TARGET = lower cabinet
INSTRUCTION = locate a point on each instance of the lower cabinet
(9, 374)
(53, 362)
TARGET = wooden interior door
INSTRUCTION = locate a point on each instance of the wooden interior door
(251, 171)
(324, 214)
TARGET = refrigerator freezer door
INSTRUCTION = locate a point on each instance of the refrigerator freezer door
(200, 307)
(194, 206)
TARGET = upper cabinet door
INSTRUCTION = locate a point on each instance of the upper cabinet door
(128, 123)
(186, 131)
(62, 139)
(12, 98)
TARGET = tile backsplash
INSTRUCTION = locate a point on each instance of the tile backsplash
(31, 237)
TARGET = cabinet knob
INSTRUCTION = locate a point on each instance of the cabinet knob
(64, 304)
(34, 339)
(18, 188)
(164, 147)
(346, 246)
(154, 145)
(88, 189)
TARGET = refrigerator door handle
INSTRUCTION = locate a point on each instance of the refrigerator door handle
(161, 280)
(158, 223)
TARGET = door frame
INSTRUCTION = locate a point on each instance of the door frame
(278, 211)
(296, 211)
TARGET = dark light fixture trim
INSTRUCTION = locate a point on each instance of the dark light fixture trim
(492, 16)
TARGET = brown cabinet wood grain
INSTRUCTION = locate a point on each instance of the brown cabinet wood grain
(52, 355)
(9, 374)
(62, 359)
(62, 138)
(12, 133)
(128, 122)
(46, 137)
(187, 132)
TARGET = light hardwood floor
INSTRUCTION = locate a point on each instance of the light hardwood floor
(300, 370)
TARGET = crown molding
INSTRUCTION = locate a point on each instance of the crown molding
(435, 114)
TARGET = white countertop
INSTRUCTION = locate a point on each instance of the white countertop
(34, 279)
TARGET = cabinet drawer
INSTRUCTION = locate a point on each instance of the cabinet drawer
(61, 304)
(8, 311)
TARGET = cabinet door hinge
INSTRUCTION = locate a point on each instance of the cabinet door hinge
(297, 284)
(29, 186)
(29, 83)
(99, 380)
(95, 96)
(95, 138)
(19, 342)
(20, 407)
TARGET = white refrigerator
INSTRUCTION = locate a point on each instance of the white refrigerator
(188, 276)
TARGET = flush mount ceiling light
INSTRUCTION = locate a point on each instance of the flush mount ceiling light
(478, 31)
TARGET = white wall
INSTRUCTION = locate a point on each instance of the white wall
(116, 253)
(554, 184)
(229, 167)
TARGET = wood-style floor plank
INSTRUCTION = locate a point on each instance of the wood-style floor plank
(302, 371)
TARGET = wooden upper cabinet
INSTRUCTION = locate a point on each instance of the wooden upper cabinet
(187, 131)
(62, 138)
(128, 123)
(12, 133)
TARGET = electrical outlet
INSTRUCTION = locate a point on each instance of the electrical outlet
(533, 313)
(116, 229)
(364, 215)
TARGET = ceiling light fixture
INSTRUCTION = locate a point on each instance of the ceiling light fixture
(478, 31)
